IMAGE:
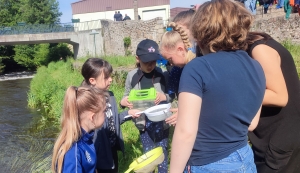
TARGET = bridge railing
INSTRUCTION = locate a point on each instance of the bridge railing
(49, 28)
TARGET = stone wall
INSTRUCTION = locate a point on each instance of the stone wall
(279, 28)
(113, 34)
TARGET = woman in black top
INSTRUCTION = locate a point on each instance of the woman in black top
(276, 140)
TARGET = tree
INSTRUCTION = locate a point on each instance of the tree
(9, 12)
(30, 12)
(32, 56)
(40, 12)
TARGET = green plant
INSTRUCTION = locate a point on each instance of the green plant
(2, 66)
(294, 49)
(127, 43)
(127, 52)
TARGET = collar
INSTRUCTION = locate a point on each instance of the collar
(87, 136)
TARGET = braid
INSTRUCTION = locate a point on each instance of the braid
(183, 35)
(185, 39)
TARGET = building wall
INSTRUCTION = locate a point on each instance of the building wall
(91, 6)
(175, 11)
(144, 12)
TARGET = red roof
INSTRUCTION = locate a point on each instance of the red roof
(90, 6)
(176, 10)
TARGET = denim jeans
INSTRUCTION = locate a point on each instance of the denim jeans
(280, 4)
(240, 161)
(251, 6)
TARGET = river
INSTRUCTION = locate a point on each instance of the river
(26, 139)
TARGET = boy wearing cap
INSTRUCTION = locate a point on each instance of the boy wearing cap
(145, 76)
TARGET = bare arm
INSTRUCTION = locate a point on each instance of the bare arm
(276, 92)
(255, 120)
(124, 102)
(184, 137)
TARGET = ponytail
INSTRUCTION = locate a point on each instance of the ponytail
(76, 101)
(70, 129)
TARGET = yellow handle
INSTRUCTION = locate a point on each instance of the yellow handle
(128, 170)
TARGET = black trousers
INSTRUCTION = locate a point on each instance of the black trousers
(115, 157)
(292, 166)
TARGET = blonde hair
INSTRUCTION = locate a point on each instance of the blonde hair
(76, 101)
(221, 25)
(170, 40)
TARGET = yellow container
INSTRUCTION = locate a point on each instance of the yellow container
(147, 162)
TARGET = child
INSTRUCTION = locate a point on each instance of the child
(82, 112)
(186, 44)
(108, 139)
(147, 75)
(181, 20)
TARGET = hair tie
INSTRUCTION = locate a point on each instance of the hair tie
(169, 28)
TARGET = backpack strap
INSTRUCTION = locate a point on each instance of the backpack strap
(136, 78)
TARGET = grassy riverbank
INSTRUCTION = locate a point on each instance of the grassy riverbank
(48, 87)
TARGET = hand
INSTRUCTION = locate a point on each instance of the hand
(172, 119)
(133, 112)
(125, 102)
(160, 97)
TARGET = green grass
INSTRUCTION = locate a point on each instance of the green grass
(294, 49)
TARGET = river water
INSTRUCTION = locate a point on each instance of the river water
(26, 139)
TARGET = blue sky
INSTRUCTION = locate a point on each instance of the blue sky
(65, 7)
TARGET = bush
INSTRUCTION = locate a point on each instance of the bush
(2, 66)
(48, 87)
(127, 43)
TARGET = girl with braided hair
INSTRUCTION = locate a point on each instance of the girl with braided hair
(179, 34)
(180, 39)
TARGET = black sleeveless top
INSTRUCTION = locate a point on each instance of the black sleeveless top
(278, 132)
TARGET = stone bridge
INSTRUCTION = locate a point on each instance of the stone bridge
(85, 37)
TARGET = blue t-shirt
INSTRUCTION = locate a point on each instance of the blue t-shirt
(232, 86)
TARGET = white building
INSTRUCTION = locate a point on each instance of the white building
(88, 10)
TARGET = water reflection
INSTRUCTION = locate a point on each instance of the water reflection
(26, 140)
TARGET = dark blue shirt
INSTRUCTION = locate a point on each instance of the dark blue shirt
(232, 87)
(81, 157)
(174, 79)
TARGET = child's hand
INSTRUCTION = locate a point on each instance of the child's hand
(125, 102)
(172, 119)
(160, 97)
(133, 112)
